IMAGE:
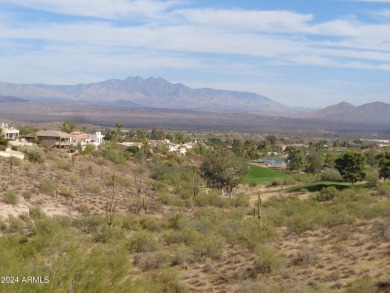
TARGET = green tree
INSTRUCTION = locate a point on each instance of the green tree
(330, 159)
(157, 134)
(24, 130)
(371, 156)
(238, 147)
(3, 141)
(264, 146)
(224, 170)
(295, 159)
(314, 162)
(252, 152)
(384, 164)
(272, 139)
(133, 149)
(68, 126)
(351, 166)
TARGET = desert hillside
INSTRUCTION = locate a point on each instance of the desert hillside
(105, 222)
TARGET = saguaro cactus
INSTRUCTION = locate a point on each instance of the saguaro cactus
(110, 206)
(259, 207)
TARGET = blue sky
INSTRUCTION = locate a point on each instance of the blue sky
(311, 53)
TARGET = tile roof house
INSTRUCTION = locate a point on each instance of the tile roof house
(55, 139)
(82, 139)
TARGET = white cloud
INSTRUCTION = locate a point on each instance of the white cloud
(262, 21)
(109, 9)
(217, 42)
(383, 13)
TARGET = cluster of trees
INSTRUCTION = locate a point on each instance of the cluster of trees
(224, 170)
(351, 166)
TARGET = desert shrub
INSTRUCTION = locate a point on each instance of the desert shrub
(27, 195)
(212, 199)
(182, 254)
(114, 155)
(150, 224)
(252, 184)
(169, 199)
(16, 224)
(83, 209)
(3, 226)
(206, 220)
(241, 200)
(74, 179)
(105, 234)
(11, 197)
(143, 241)
(276, 182)
(177, 221)
(151, 260)
(362, 285)
(130, 223)
(119, 181)
(94, 189)
(36, 213)
(207, 246)
(186, 236)
(331, 175)
(372, 177)
(305, 256)
(15, 161)
(67, 192)
(383, 228)
(326, 194)
(34, 157)
(338, 215)
(384, 189)
(376, 210)
(89, 223)
(298, 215)
(251, 233)
(64, 165)
(268, 260)
(47, 186)
(168, 282)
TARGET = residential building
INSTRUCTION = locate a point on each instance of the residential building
(55, 139)
(8, 132)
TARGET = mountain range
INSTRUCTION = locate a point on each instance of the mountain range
(137, 92)
(150, 92)
(375, 112)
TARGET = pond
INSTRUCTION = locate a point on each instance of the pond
(271, 162)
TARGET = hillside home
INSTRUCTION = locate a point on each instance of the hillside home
(55, 139)
(82, 139)
(8, 132)
(96, 138)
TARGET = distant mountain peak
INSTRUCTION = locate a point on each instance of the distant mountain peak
(375, 112)
(152, 92)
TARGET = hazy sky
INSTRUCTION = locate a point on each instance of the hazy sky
(300, 53)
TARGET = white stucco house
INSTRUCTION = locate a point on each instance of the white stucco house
(9, 132)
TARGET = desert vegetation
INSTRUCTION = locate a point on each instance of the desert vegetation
(115, 220)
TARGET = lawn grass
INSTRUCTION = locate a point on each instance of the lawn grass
(262, 175)
(317, 186)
